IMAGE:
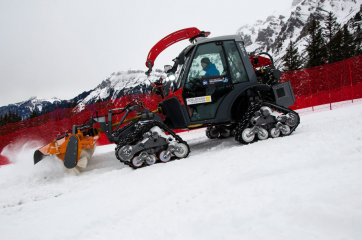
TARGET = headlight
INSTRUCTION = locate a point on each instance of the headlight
(171, 77)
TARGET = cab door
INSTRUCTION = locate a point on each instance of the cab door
(208, 81)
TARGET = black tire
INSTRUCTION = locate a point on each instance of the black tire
(212, 132)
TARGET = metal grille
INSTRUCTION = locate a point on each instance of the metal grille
(280, 92)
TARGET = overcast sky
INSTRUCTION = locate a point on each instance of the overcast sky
(60, 48)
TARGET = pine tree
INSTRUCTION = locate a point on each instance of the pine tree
(9, 117)
(2, 122)
(33, 114)
(315, 47)
(74, 102)
(292, 59)
(15, 118)
(347, 48)
(334, 40)
(358, 41)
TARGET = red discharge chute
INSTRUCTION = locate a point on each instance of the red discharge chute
(167, 41)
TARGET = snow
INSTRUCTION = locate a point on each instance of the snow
(304, 186)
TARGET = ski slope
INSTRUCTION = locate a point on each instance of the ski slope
(305, 186)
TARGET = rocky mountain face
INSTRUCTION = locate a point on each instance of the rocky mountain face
(116, 86)
(273, 35)
(120, 84)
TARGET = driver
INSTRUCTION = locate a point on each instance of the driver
(209, 68)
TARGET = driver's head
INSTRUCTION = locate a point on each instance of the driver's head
(205, 62)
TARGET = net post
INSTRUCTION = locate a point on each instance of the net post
(350, 76)
(329, 91)
(310, 89)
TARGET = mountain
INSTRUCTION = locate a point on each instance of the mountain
(274, 34)
(117, 85)
(26, 107)
(120, 84)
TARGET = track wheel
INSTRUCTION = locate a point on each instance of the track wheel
(263, 134)
(274, 133)
(151, 159)
(162, 157)
(184, 150)
(232, 132)
(212, 133)
(225, 133)
(285, 130)
(247, 136)
(137, 162)
(292, 119)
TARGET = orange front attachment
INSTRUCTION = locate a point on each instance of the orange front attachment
(59, 147)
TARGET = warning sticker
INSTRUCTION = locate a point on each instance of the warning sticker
(198, 100)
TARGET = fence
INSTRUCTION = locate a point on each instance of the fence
(324, 84)
(327, 83)
(45, 128)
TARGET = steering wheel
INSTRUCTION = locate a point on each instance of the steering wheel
(194, 84)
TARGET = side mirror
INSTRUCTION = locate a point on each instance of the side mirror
(167, 68)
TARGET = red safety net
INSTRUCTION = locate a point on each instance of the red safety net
(327, 83)
(324, 84)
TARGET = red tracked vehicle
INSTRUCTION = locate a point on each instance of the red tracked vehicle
(213, 83)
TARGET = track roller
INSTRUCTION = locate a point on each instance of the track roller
(181, 150)
(247, 135)
(151, 159)
(164, 156)
(262, 134)
(274, 133)
(137, 161)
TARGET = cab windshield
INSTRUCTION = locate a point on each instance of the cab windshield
(180, 73)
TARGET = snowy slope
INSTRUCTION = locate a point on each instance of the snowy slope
(305, 186)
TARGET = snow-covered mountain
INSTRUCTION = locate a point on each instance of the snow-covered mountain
(273, 35)
(122, 83)
(24, 108)
(115, 86)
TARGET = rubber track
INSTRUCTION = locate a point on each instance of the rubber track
(122, 129)
(137, 135)
(255, 107)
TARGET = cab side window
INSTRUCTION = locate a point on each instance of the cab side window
(237, 69)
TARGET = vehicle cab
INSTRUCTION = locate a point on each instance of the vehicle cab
(207, 78)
